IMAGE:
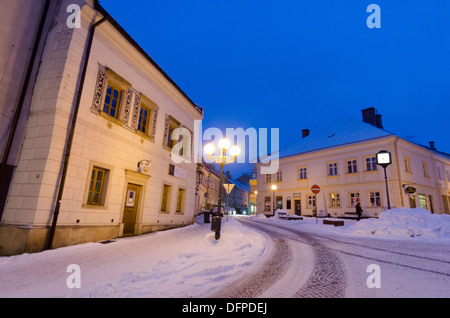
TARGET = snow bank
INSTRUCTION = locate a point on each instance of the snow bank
(402, 222)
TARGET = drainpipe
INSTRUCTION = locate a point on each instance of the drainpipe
(23, 92)
(71, 133)
(398, 171)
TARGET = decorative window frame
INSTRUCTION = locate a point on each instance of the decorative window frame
(143, 101)
(170, 123)
(105, 76)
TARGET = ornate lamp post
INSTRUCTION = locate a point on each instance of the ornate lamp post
(384, 159)
(222, 160)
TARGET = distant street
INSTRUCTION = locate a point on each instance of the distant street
(303, 264)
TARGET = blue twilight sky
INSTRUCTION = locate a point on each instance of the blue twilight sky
(302, 64)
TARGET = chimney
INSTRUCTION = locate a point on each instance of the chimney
(305, 133)
(370, 116)
(432, 147)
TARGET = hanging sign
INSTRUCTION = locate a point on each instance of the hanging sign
(410, 190)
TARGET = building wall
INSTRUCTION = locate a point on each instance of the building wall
(99, 141)
(363, 182)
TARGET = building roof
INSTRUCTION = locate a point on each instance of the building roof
(344, 131)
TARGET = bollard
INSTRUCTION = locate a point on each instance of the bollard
(216, 224)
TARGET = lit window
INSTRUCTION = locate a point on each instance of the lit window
(335, 200)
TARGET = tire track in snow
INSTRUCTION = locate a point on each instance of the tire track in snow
(265, 276)
(328, 278)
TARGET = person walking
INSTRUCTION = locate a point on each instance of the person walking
(359, 211)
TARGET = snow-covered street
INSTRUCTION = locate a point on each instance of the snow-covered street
(413, 260)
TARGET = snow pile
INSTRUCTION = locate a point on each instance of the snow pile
(185, 262)
(416, 222)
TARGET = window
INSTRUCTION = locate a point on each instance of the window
(407, 164)
(144, 119)
(439, 172)
(425, 169)
(311, 201)
(165, 197)
(279, 176)
(279, 202)
(354, 198)
(332, 169)
(335, 200)
(171, 125)
(97, 186)
(267, 178)
(352, 166)
(375, 199)
(180, 200)
(145, 123)
(302, 173)
(288, 203)
(267, 204)
(423, 201)
(371, 164)
(112, 101)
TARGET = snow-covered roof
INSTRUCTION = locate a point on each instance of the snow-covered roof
(345, 130)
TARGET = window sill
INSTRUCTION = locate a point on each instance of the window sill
(144, 135)
(94, 207)
(111, 119)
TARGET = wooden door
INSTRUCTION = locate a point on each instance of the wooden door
(131, 208)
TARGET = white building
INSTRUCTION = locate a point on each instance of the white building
(340, 159)
(79, 181)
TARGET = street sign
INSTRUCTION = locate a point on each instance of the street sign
(315, 189)
(228, 187)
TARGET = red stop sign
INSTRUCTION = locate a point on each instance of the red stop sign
(315, 189)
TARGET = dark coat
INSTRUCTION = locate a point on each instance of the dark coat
(359, 210)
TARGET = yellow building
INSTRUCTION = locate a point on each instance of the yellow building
(341, 160)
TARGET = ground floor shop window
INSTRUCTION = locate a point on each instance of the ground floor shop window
(311, 201)
(354, 198)
(267, 204)
(375, 199)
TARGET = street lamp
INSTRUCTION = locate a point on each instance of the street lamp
(384, 159)
(274, 187)
(222, 159)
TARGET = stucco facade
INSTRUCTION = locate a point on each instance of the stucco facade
(346, 173)
(105, 195)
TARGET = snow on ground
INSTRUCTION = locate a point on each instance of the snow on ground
(400, 223)
(185, 262)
